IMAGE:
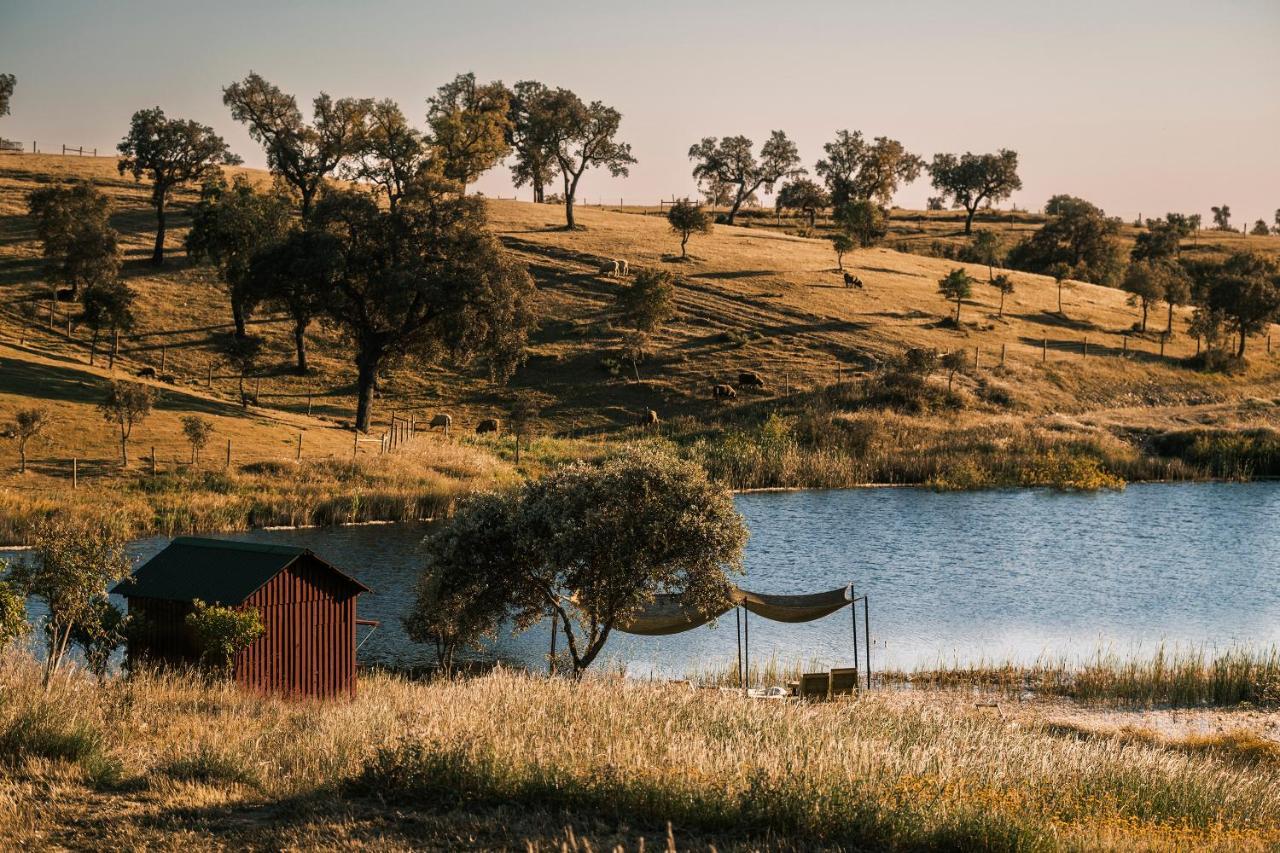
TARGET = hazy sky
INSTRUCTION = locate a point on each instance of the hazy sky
(1141, 107)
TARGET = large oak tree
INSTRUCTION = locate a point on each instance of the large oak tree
(582, 136)
(971, 179)
(470, 125)
(731, 162)
(855, 169)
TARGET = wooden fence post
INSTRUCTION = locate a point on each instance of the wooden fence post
(1044, 352)
(298, 455)
(1126, 345)
(976, 353)
(1003, 347)
(75, 472)
(153, 460)
(1162, 337)
(228, 464)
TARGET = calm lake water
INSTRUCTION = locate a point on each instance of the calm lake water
(950, 576)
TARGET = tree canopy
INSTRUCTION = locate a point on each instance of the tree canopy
(649, 301)
(971, 179)
(107, 306)
(390, 152)
(956, 285)
(303, 155)
(687, 218)
(532, 138)
(1245, 289)
(855, 169)
(297, 274)
(730, 162)
(425, 280)
(803, 195)
(80, 247)
(7, 84)
(470, 127)
(582, 136)
(1079, 236)
(170, 152)
(863, 221)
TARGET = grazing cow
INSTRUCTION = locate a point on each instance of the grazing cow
(167, 377)
(722, 390)
(750, 377)
(649, 418)
(441, 420)
(624, 269)
(852, 281)
(488, 425)
(610, 269)
(147, 373)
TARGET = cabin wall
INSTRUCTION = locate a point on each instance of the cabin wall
(159, 634)
(308, 648)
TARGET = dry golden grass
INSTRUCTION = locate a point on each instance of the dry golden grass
(505, 760)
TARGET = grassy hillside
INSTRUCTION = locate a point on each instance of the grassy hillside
(514, 761)
(749, 298)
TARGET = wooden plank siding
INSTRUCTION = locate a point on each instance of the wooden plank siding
(308, 647)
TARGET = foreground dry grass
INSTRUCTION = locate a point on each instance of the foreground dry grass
(509, 760)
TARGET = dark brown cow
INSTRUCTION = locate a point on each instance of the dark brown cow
(750, 378)
(724, 391)
(488, 425)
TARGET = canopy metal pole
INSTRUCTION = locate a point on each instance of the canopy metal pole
(746, 643)
(737, 619)
(866, 629)
(853, 614)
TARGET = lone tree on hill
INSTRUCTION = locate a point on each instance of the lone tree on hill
(296, 274)
(803, 195)
(424, 281)
(7, 82)
(390, 152)
(197, 431)
(1245, 290)
(1061, 273)
(649, 301)
(27, 425)
(1004, 285)
(531, 138)
(583, 136)
(971, 179)
(957, 285)
(954, 362)
(1221, 217)
(1145, 283)
(843, 244)
(126, 405)
(230, 224)
(80, 247)
(986, 247)
(171, 152)
(854, 169)
(863, 221)
(302, 155)
(470, 127)
(686, 218)
(107, 307)
(730, 162)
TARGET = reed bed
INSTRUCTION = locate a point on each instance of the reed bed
(511, 759)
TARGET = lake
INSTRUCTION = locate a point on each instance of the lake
(960, 576)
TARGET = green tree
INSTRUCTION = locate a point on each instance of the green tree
(197, 431)
(1221, 217)
(986, 247)
(843, 244)
(28, 425)
(1246, 290)
(1145, 283)
(1079, 235)
(80, 247)
(603, 541)
(532, 138)
(106, 307)
(13, 609)
(7, 82)
(242, 355)
(171, 152)
(854, 169)
(102, 630)
(954, 362)
(1004, 285)
(1260, 228)
(1061, 274)
(686, 218)
(425, 281)
(302, 155)
(126, 405)
(971, 179)
(230, 224)
(73, 563)
(649, 301)
(1162, 240)
(957, 285)
(803, 195)
(1177, 291)
(389, 151)
(297, 274)
(730, 162)
(583, 136)
(223, 632)
(468, 585)
(470, 127)
(863, 221)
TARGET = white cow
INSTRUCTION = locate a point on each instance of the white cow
(624, 269)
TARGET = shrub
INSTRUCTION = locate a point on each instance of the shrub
(222, 632)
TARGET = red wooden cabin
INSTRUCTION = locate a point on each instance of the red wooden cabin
(308, 608)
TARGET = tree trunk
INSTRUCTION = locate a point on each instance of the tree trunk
(93, 346)
(22, 457)
(683, 241)
(813, 218)
(737, 203)
(1000, 313)
(538, 193)
(1059, 296)
(366, 376)
(124, 447)
(1240, 352)
(1168, 331)
(157, 255)
(300, 345)
(237, 314)
(968, 219)
(1144, 315)
(308, 195)
(957, 310)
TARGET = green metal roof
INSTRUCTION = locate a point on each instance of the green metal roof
(214, 571)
